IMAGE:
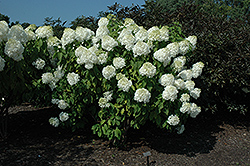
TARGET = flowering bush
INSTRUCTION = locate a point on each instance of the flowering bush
(123, 75)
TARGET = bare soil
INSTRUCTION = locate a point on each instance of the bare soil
(210, 139)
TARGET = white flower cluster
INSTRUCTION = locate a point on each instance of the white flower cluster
(83, 34)
(54, 121)
(119, 62)
(142, 95)
(52, 42)
(73, 78)
(60, 103)
(167, 79)
(141, 48)
(86, 56)
(18, 33)
(108, 43)
(103, 101)
(69, 35)
(108, 72)
(14, 49)
(44, 32)
(4, 29)
(52, 78)
(39, 63)
(124, 84)
(147, 69)
(190, 108)
(2, 63)
(173, 120)
(63, 116)
(170, 93)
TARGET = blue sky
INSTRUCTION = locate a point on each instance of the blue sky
(34, 11)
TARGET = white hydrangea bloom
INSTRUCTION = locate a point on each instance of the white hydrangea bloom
(180, 129)
(54, 101)
(128, 41)
(148, 69)
(166, 80)
(173, 120)
(192, 40)
(62, 104)
(63, 116)
(54, 121)
(194, 110)
(69, 35)
(73, 78)
(154, 34)
(108, 43)
(140, 48)
(58, 74)
(102, 58)
(164, 33)
(39, 63)
(178, 63)
(170, 93)
(167, 61)
(189, 85)
(141, 35)
(103, 21)
(52, 42)
(173, 49)
(185, 97)
(47, 78)
(119, 62)
(184, 47)
(119, 76)
(123, 33)
(14, 49)
(85, 56)
(162, 55)
(108, 72)
(142, 95)
(195, 93)
(4, 29)
(108, 95)
(2, 63)
(83, 34)
(133, 28)
(31, 27)
(44, 32)
(185, 107)
(197, 69)
(124, 84)
(179, 83)
(186, 74)
(100, 32)
(103, 102)
(128, 22)
(18, 33)
(30, 35)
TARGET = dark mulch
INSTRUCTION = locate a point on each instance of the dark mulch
(210, 139)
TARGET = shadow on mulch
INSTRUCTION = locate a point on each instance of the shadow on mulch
(33, 141)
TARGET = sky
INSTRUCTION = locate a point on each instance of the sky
(34, 11)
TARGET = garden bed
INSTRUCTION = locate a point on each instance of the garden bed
(210, 139)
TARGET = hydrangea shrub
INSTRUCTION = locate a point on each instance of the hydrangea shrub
(123, 75)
